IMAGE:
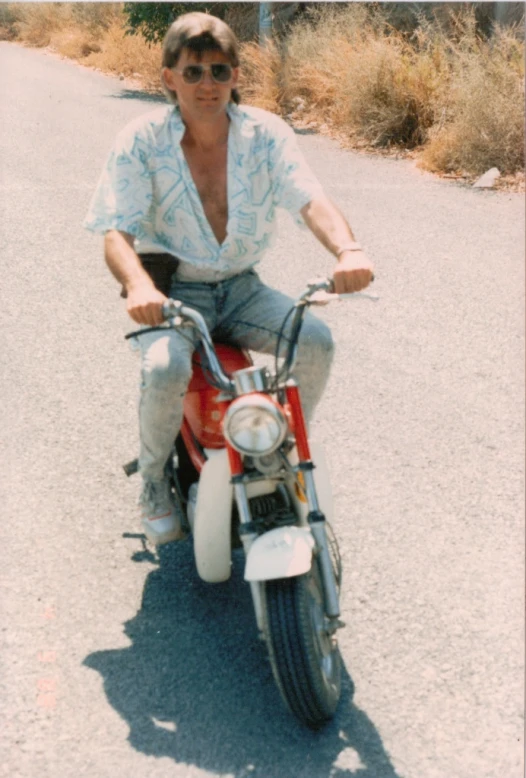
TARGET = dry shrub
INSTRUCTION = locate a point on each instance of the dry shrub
(128, 55)
(72, 29)
(313, 77)
(315, 49)
(243, 18)
(38, 23)
(74, 43)
(442, 86)
(260, 82)
(387, 94)
(358, 74)
(96, 17)
(9, 17)
(482, 112)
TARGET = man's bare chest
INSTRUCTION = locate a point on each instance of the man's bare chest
(209, 173)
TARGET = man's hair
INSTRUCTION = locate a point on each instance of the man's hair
(198, 32)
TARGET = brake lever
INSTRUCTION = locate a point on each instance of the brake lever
(171, 312)
(352, 295)
(171, 309)
(323, 298)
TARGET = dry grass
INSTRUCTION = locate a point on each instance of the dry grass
(441, 89)
(36, 25)
(244, 20)
(260, 82)
(387, 94)
(361, 76)
(312, 69)
(54, 24)
(128, 55)
(482, 112)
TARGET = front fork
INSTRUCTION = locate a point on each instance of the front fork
(315, 516)
(246, 529)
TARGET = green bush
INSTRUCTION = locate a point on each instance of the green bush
(152, 20)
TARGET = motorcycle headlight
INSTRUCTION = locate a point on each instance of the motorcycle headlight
(254, 425)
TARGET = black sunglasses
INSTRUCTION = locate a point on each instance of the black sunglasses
(192, 74)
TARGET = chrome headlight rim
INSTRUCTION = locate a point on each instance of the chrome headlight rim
(256, 403)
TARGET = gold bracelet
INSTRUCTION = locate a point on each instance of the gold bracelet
(349, 247)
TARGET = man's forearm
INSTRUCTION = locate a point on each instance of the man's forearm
(328, 224)
(144, 301)
(123, 261)
(353, 270)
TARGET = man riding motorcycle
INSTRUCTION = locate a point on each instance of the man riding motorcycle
(187, 203)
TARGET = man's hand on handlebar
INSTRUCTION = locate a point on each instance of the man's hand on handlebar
(144, 304)
(352, 273)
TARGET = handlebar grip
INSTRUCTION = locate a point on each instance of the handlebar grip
(330, 288)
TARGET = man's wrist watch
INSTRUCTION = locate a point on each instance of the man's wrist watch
(354, 246)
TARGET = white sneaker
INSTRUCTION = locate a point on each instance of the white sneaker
(160, 516)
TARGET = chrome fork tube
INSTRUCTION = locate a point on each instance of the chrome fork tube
(317, 526)
(312, 496)
(247, 539)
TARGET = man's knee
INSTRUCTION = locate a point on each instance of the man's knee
(316, 340)
(166, 369)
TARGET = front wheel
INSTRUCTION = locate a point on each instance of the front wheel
(304, 655)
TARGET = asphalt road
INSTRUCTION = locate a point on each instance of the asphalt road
(118, 662)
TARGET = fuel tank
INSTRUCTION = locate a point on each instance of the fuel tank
(201, 409)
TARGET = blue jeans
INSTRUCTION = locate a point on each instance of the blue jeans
(242, 311)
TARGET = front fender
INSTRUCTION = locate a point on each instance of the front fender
(284, 552)
(213, 511)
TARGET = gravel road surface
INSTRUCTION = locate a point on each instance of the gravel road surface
(117, 661)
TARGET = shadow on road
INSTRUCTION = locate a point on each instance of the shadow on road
(138, 94)
(305, 131)
(196, 686)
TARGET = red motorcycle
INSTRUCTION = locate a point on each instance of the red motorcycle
(247, 475)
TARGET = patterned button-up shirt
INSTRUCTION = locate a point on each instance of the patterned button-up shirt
(146, 189)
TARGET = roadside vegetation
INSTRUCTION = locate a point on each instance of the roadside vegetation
(437, 89)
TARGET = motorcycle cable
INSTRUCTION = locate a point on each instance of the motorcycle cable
(205, 367)
(273, 388)
(146, 330)
(293, 336)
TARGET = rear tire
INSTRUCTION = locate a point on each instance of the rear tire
(305, 659)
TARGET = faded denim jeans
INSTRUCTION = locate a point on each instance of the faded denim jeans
(242, 311)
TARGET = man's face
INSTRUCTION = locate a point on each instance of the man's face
(208, 98)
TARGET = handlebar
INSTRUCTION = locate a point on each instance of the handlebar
(318, 292)
(175, 314)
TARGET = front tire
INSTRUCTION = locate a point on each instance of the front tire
(305, 659)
